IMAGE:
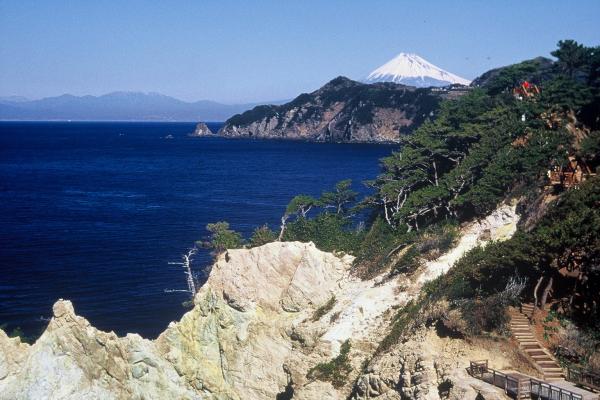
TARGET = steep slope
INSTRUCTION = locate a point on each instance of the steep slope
(410, 69)
(341, 111)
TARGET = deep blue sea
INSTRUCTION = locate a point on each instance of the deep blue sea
(94, 212)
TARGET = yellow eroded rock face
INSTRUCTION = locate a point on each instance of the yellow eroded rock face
(233, 344)
(237, 329)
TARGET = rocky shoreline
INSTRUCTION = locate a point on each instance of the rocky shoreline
(342, 111)
(255, 333)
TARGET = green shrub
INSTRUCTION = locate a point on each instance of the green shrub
(335, 371)
(432, 289)
(567, 236)
(489, 314)
(324, 309)
(404, 319)
(373, 250)
(428, 246)
(222, 238)
(262, 235)
(409, 262)
(590, 148)
(329, 232)
(440, 240)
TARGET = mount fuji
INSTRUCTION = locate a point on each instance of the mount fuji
(412, 70)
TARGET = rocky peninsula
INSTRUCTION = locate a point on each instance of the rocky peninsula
(343, 110)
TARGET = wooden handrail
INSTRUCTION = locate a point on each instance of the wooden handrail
(541, 389)
(583, 378)
(546, 390)
(510, 385)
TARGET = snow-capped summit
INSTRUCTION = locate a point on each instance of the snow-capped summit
(410, 69)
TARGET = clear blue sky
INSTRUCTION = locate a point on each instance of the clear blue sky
(241, 51)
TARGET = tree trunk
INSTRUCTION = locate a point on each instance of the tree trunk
(535, 292)
(304, 211)
(575, 287)
(284, 219)
(188, 271)
(547, 290)
(385, 213)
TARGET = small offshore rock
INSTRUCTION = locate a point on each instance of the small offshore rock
(201, 130)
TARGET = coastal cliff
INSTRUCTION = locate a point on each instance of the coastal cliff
(343, 110)
(263, 320)
(434, 282)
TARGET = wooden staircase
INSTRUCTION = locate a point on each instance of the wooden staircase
(521, 329)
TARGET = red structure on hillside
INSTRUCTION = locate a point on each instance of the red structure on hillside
(526, 90)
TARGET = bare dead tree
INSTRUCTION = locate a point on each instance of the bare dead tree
(186, 263)
(513, 289)
(284, 219)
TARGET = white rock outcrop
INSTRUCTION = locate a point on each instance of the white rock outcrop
(73, 360)
(253, 334)
(233, 344)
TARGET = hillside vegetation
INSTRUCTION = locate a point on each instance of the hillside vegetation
(342, 110)
(362, 98)
(486, 147)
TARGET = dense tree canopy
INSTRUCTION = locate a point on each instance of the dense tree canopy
(462, 164)
(479, 149)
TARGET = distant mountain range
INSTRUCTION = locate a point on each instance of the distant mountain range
(412, 70)
(406, 69)
(117, 106)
